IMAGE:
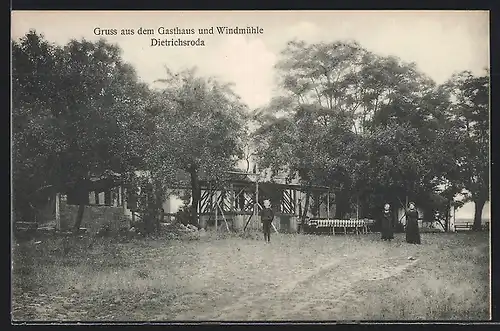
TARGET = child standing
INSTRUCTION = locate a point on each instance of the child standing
(267, 216)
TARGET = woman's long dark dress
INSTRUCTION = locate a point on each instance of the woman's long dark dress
(387, 231)
(412, 231)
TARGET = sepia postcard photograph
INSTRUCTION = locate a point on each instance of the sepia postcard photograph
(250, 166)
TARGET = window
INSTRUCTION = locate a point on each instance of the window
(111, 197)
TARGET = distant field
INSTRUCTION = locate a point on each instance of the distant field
(470, 220)
(296, 277)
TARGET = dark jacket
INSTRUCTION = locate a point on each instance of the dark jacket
(267, 214)
(387, 230)
(412, 231)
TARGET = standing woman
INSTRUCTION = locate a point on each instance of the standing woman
(412, 231)
(387, 231)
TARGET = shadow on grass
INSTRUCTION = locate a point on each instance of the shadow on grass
(142, 279)
(450, 281)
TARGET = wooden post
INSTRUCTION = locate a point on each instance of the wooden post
(328, 204)
(452, 226)
(120, 198)
(124, 204)
(248, 221)
(124, 198)
(232, 198)
(294, 199)
(58, 212)
(210, 199)
(319, 206)
(216, 215)
(256, 208)
(405, 208)
(257, 196)
(107, 198)
(223, 217)
(357, 208)
(274, 227)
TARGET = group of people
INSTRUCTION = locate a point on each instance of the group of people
(411, 228)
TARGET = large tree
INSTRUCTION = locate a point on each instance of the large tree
(34, 139)
(469, 113)
(77, 112)
(199, 125)
(347, 112)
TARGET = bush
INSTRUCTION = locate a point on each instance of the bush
(183, 216)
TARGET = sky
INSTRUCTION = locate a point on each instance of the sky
(439, 42)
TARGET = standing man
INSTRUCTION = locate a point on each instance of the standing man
(267, 216)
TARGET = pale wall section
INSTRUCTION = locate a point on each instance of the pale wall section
(467, 212)
(95, 217)
(172, 204)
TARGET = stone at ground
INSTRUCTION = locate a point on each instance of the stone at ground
(192, 227)
(171, 235)
(193, 235)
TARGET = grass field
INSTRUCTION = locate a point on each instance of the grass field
(296, 277)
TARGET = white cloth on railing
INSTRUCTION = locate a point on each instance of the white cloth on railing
(339, 223)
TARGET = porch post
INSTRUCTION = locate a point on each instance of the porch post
(58, 212)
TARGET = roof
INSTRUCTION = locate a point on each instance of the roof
(240, 178)
(251, 183)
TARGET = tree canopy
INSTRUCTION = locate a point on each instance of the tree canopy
(372, 128)
(77, 112)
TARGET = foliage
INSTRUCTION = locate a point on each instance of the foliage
(469, 115)
(199, 123)
(370, 127)
(77, 112)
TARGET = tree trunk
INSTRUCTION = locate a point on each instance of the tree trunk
(82, 198)
(148, 218)
(79, 218)
(478, 212)
(341, 204)
(107, 198)
(149, 212)
(395, 207)
(306, 207)
(159, 196)
(195, 193)
(447, 218)
(314, 206)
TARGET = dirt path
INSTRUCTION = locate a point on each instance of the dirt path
(314, 296)
(295, 278)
